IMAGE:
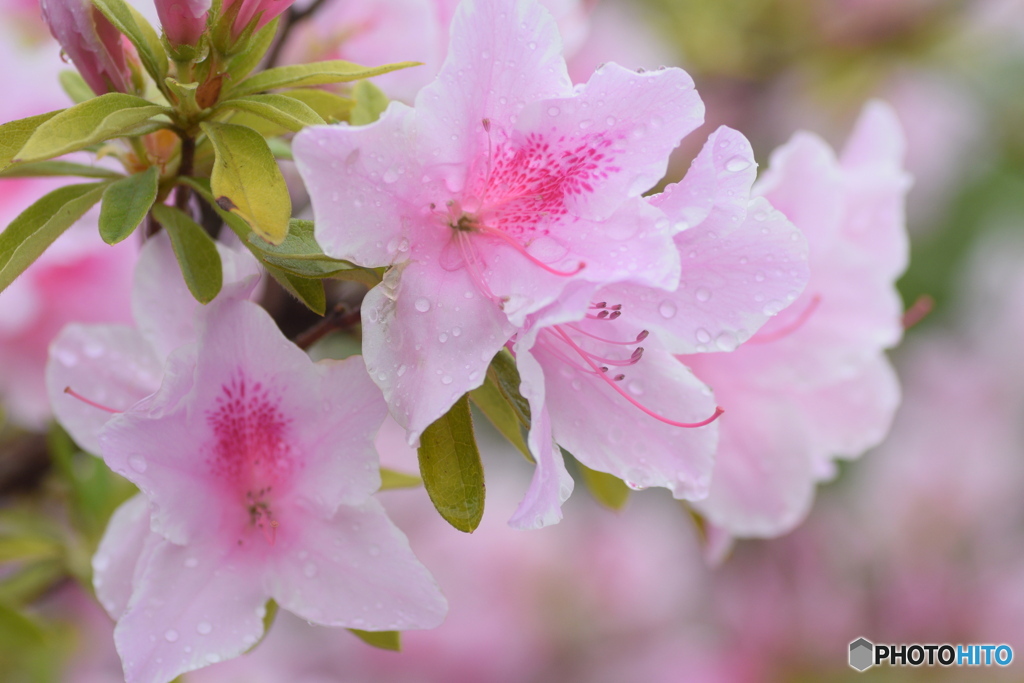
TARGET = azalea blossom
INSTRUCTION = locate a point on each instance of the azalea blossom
(92, 43)
(503, 186)
(183, 21)
(606, 387)
(815, 383)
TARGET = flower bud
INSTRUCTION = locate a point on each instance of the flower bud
(183, 20)
(92, 43)
(245, 10)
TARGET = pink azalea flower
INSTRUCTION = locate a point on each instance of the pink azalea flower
(815, 383)
(256, 468)
(92, 43)
(117, 365)
(503, 186)
(183, 21)
(266, 10)
(605, 385)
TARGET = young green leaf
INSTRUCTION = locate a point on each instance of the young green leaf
(134, 26)
(186, 96)
(316, 73)
(286, 112)
(15, 134)
(126, 202)
(503, 373)
(385, 640)
(39, 169)
(195, 250)
(246, 180)
(328, 105)
(28, 236)
(451, 469)
(240, 65)
(75, 86)
(497, 409)
(309, 292)
(95, 120)
(393, 479)
(299, 254)
(606, 489)
(370, 103)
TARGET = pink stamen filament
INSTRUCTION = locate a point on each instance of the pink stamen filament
(522, 250)
(588, 359)
(639, 338)
(792, 327)
(917, 311)
(94, 404)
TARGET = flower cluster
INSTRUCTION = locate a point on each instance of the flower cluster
(721, 337)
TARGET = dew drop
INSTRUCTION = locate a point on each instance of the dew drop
(703, 336)
(727, 341)
(309, 570)
(422, 305)
(138, 463)
(553, 111)
(667, 309)
(737, 164)
(204, 628)
(456, 331)
(443, 337)
(446, 380)
(703, 294)
(635, 387)
(171, 635)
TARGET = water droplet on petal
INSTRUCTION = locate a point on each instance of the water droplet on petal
(138, 463)
(553, 111)
(703, 294)
(309, 570)
(447, 379)
(703, 336)
(191, 563)
(171, 635)
(727, 341)
(667, 309)
(204, 628)
(422, 305)
(737, 164)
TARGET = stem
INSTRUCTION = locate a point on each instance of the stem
(337, 319)
(188, 153)
(288, 20)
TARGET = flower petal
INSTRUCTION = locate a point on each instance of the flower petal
(114, 564)
(111, 365)
(356, 570)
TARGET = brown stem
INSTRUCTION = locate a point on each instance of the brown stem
(188, 153)
(288, 20)
(338, 318)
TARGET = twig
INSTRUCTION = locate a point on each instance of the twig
(288, 20)
(339, 318)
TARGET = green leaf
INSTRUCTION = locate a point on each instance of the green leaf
(28, 236)
(309, 292)
(451, 469)
(39, 169)
(15, 134)
(316, 73)
(134, 26)
(496, 407)
(196, 252)
(31, 581)
(370, 103)
(285, 111)
(126, 203)
(385, 640)
(242, 64)
(393, 479)
(505, 376)
(186, 95)
(75, 86)
(328, 105)
(247, 181)
(300, 255)
(96, 120)
(606, 489)
(27, 548)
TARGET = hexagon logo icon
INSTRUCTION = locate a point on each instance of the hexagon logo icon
(862, 653)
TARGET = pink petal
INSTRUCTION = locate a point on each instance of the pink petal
(429, 342)
(111, 365)
(502, 56)
(163, 307)
(551, 484)
(356, 570)
(627, 122)
(192, 606)
(364, 184)
(115, 561)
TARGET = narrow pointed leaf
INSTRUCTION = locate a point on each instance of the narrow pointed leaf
(28, 236)
(370, 103)
(299, 254)
(505, 376)
(39, 169)
(95, 120)
(451, 469)
(246, 180)
(195, 250)
(317, 73)
(606, 489)
(385, 640)
(328, 105)
(393, 479)
(134, 26)
(75, 86)
(497, 409)
(15, 134)
(286, 112)
(242, 64)
(126, 202)
(309, 292)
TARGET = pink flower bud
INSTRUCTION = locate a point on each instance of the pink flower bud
(247, 9)
(92, 43)
(183, 20)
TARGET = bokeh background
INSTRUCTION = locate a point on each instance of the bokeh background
(921, 540)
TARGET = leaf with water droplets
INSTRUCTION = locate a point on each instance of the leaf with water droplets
(451, 468)
(385, 640)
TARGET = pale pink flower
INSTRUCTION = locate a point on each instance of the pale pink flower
(92, 43)
(503, 186)
(605, 385)
(183, 21)
(815, 383)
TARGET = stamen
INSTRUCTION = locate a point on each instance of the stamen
(469, 256)
(792, 327)
(612, 383)
(94, 404)
(917, 311)
(639, 338)
(533, 259)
